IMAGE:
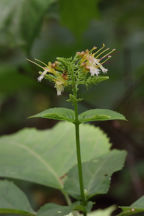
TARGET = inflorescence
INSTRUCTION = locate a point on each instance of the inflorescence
(85, 64)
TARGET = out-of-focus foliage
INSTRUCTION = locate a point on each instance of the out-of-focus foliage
(133, 209)
(23, 157)
(54, 209)
(99, 170)
(21, 20)
(11, 79)
(13, 200)
(76, 15)
(105, 212)
(46, 29)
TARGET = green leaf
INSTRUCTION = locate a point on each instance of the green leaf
(45, 156)
(96, 174)
(77, 14)
(93, 80)
(13, 200)
(100, 115)
(22, 19)
(56, 113)
(136, 207)
(104, 212)
(57, 210)
(139, 203)
(54, 210)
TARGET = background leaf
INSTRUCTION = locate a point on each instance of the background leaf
(44, 156)
(22, 19)
(13, 200)
(54, 210)
(96, 174)
(100, 115)
(104, 212)
(12, 80)
(135, 208)
(56, 113)
(77, 14)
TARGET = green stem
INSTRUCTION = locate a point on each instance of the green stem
(77, 136)
(79, 161)
(67, 198)
(68, 201)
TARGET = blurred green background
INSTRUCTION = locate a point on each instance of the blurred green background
(46, 29)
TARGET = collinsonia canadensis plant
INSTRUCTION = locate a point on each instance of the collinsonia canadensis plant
(80, 169)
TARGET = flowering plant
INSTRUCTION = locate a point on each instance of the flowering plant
(81, 177)
(84, 69)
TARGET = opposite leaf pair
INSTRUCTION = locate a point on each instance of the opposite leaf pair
(90, 115)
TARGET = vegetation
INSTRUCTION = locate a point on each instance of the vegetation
(72, 157)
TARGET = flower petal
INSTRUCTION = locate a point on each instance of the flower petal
(94, 71)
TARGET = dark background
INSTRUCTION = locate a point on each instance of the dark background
(46, 29)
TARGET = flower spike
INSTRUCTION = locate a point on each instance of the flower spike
(90, 60)
(82, 69)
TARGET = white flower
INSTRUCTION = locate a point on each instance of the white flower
(91, 59)
(94, 70)
(42, 75)
(104, 70)
(94, 64)
(59, 87)
(94, 59)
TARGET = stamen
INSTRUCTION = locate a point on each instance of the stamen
(106, 59)
(104, 70)
(94, 48)
(100, 48)
(108, 54)
(102, 52)
(36, 64)
(41, 62)
(78, 53)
